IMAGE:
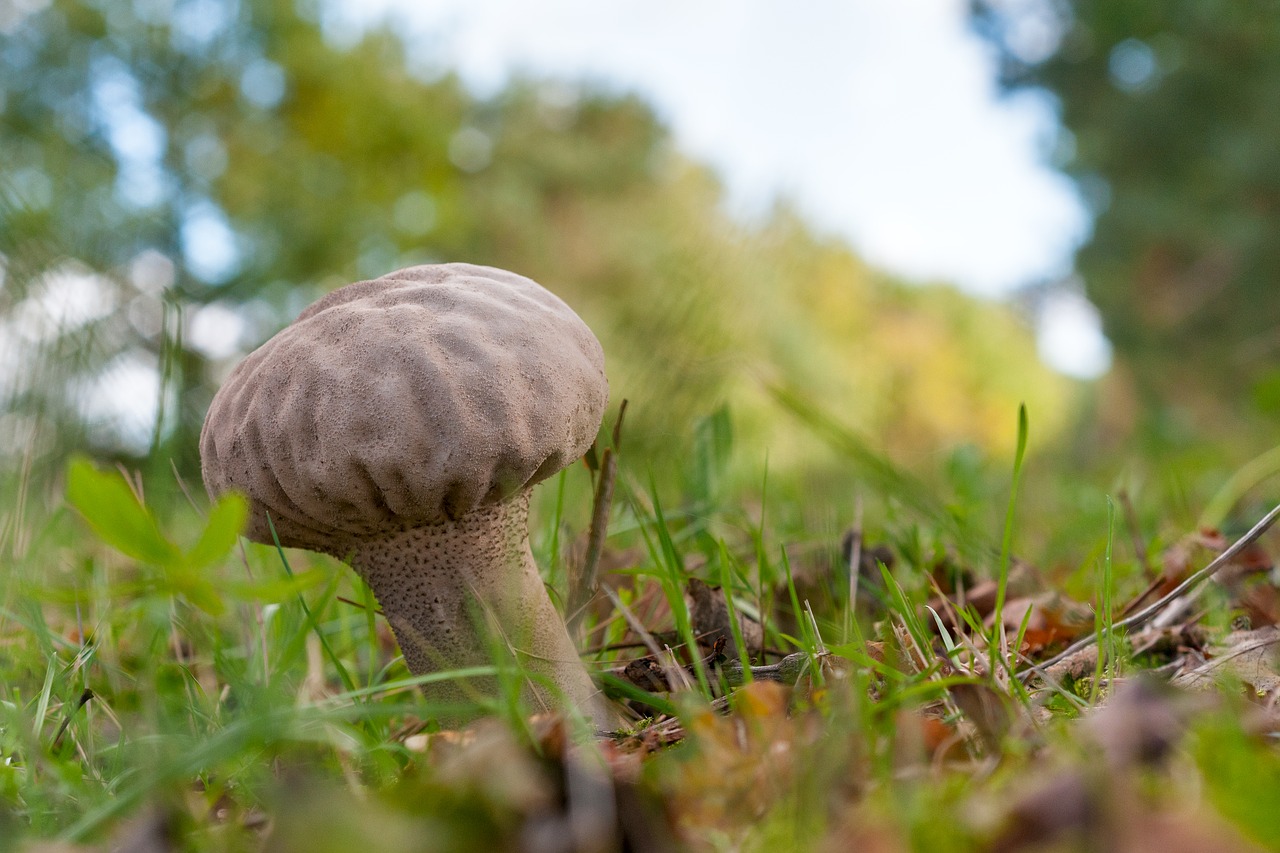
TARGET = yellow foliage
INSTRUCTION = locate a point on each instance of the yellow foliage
(696, 311)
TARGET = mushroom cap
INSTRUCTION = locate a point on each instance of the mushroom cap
(404, 401)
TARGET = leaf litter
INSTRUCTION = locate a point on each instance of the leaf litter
(1085, 784)
(1061, 750)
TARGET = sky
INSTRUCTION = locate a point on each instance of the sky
(880, 119)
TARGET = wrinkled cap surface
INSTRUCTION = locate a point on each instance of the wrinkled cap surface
(404, 401)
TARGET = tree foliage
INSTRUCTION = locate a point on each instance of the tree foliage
(1171, 116)
(190, 175)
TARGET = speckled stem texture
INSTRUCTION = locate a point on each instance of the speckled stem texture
(453, 592)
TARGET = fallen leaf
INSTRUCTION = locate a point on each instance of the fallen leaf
(710, 617)
(1249, 656)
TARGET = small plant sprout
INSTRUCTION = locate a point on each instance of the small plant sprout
(400, 424)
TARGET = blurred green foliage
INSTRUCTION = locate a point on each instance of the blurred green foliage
(1171, 121)
(181, 179)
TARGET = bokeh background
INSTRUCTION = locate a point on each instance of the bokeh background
(891, 220)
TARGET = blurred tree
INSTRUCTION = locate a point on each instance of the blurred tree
(1171, 125)
(226, 162)
(181, 178)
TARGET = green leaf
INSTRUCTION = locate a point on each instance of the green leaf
(197, 588)
(226, 521)
(115, 515)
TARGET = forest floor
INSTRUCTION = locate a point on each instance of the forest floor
(896, 690)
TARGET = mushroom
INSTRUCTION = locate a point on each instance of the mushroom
(400, 424)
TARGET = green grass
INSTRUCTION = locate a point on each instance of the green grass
(156, 673)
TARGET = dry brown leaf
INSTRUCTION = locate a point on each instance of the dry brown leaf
(1249, 656)
(1177, 562)
(1260, 601)
(1053, 620)
(710, 617)
(1024, 581)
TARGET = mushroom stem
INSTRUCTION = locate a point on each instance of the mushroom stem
(454, 592)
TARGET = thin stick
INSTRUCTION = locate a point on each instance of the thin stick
(1135, 531)
(1144, 595)
(601, 627)
(786, 671)
(587, 582)
(377, 611)
(134, 481)
(667, 661)
(182, 485)
(1216, 663)
(1144, 615)
(614, 647)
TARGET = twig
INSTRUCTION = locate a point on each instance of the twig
(613, 647)
(672, 730)
(1135, 531)
(667, 661)
(377, 611)
(1146, 593)
(132, 479)
(1144, 615)
(786, 671)
(640, 644)
(587, 582)
(182, 485)
(1191, 677)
